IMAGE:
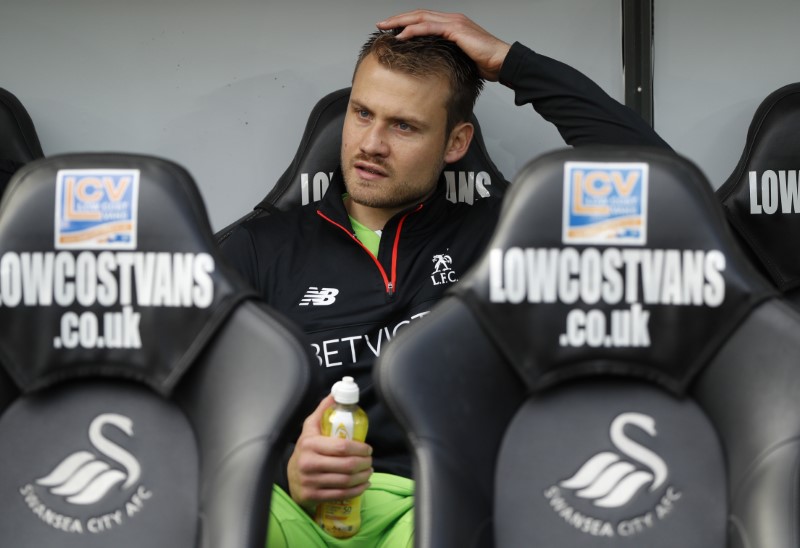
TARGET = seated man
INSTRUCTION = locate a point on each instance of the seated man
(356, 267)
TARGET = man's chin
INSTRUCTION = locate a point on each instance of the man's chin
(366, 193)
(366, 200)
(383, 202)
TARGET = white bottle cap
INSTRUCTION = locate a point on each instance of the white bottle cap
(345, 391)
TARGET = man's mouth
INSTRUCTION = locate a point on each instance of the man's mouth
(369, 171)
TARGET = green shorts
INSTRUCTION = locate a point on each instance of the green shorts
(387, 519)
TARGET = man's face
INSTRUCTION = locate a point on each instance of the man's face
(393, 140)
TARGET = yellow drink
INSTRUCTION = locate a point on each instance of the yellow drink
(344, 419)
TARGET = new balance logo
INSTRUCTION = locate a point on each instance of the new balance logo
(319, 297)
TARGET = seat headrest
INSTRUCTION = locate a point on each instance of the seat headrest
(612, 261)
(108, 267)
(19, 141)
(761, 196)
(318, 156)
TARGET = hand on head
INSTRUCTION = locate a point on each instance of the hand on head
(485, 49)
(323, 468)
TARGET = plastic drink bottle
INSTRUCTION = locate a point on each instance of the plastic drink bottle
(343, 419)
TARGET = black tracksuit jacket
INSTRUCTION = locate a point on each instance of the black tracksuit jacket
(308, 264)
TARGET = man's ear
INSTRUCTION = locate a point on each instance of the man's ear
(458, 142)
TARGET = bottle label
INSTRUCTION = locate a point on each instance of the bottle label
(342, 424)
(340, 518)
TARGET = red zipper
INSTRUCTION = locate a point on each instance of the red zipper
(390, 284)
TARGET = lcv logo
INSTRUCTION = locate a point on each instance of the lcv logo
(96, 208)
(605, 203)
(462, 186)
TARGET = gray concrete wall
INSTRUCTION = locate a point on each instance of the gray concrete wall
(715, 61)
(224, 88)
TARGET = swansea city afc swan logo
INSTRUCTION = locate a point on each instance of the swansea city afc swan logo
(101, 480)
(85, 477)
(610, 479)
(614, 479)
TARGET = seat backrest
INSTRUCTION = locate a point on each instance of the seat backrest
(144, 395)
(307, 178)
(762, 194)
(612, 372)
(19, 142)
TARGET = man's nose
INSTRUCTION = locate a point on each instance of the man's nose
(374, 141)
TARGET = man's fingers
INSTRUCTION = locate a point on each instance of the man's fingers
(335, 465)
(486, 50)
(311, 492)
(320, 495)
(411, 18)
(419, 29)
(316, 455)
(332, 480)
(340, 447)
(424, 23)
(312, 423)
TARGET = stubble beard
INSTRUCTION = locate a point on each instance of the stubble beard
(389, 194)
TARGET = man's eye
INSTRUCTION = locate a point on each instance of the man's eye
(363, 113)
(402, 126)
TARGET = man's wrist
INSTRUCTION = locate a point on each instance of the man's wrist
(511, 63)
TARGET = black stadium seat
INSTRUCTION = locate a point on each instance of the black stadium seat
(19, 142)
(613, 372)
(762, 195)
(306, 179)
(144, 396)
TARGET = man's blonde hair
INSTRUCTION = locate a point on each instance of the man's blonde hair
(430, 56)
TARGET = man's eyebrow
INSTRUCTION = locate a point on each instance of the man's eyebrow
(416, 122)
(355, 104)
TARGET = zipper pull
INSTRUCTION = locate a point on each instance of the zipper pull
(390, 288)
